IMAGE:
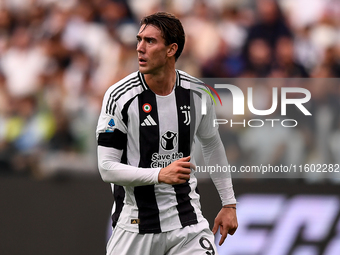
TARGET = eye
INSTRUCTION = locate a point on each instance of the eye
(149, 40)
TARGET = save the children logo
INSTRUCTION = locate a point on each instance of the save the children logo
(169, 140)
(163, 160)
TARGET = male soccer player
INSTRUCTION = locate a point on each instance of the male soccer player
(145, 138)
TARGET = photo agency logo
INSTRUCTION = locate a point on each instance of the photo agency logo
(238, 105)
(206, 89)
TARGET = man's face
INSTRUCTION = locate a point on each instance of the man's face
(151, 49)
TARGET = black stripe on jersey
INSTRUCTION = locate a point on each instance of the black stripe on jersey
(149, 134)
(190, 78)
(177, 78)
(183, 114)
(116, 139)
(114, 109)
(116, 91)
(125, 110)
(123, 86)
(192, 81)
(142, 79)
(186, 211)
(131, 86)
(113, 93)
(148, 212)
(119, 195)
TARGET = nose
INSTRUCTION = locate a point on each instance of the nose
(140, 47)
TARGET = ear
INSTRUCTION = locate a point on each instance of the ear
(172, 49)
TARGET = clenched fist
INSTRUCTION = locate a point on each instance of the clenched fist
(177, 172)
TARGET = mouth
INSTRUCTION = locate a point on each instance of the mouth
(141, 61)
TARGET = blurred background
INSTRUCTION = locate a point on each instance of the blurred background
(58, 57)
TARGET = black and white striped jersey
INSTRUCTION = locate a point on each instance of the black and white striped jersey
(149, 132)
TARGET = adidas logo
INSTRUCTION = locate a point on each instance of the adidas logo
(149, 121)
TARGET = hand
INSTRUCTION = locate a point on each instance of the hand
(177, 172)
(226, 219)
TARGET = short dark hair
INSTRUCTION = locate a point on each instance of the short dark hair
(171, 29)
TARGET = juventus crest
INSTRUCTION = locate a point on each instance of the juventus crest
(186, 111)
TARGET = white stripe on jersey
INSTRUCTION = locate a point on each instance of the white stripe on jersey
(168, 121)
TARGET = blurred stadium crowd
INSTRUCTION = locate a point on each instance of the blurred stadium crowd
(58, 57)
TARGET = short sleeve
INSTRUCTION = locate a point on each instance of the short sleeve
(111, 130)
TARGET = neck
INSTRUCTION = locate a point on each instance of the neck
(162, 83)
